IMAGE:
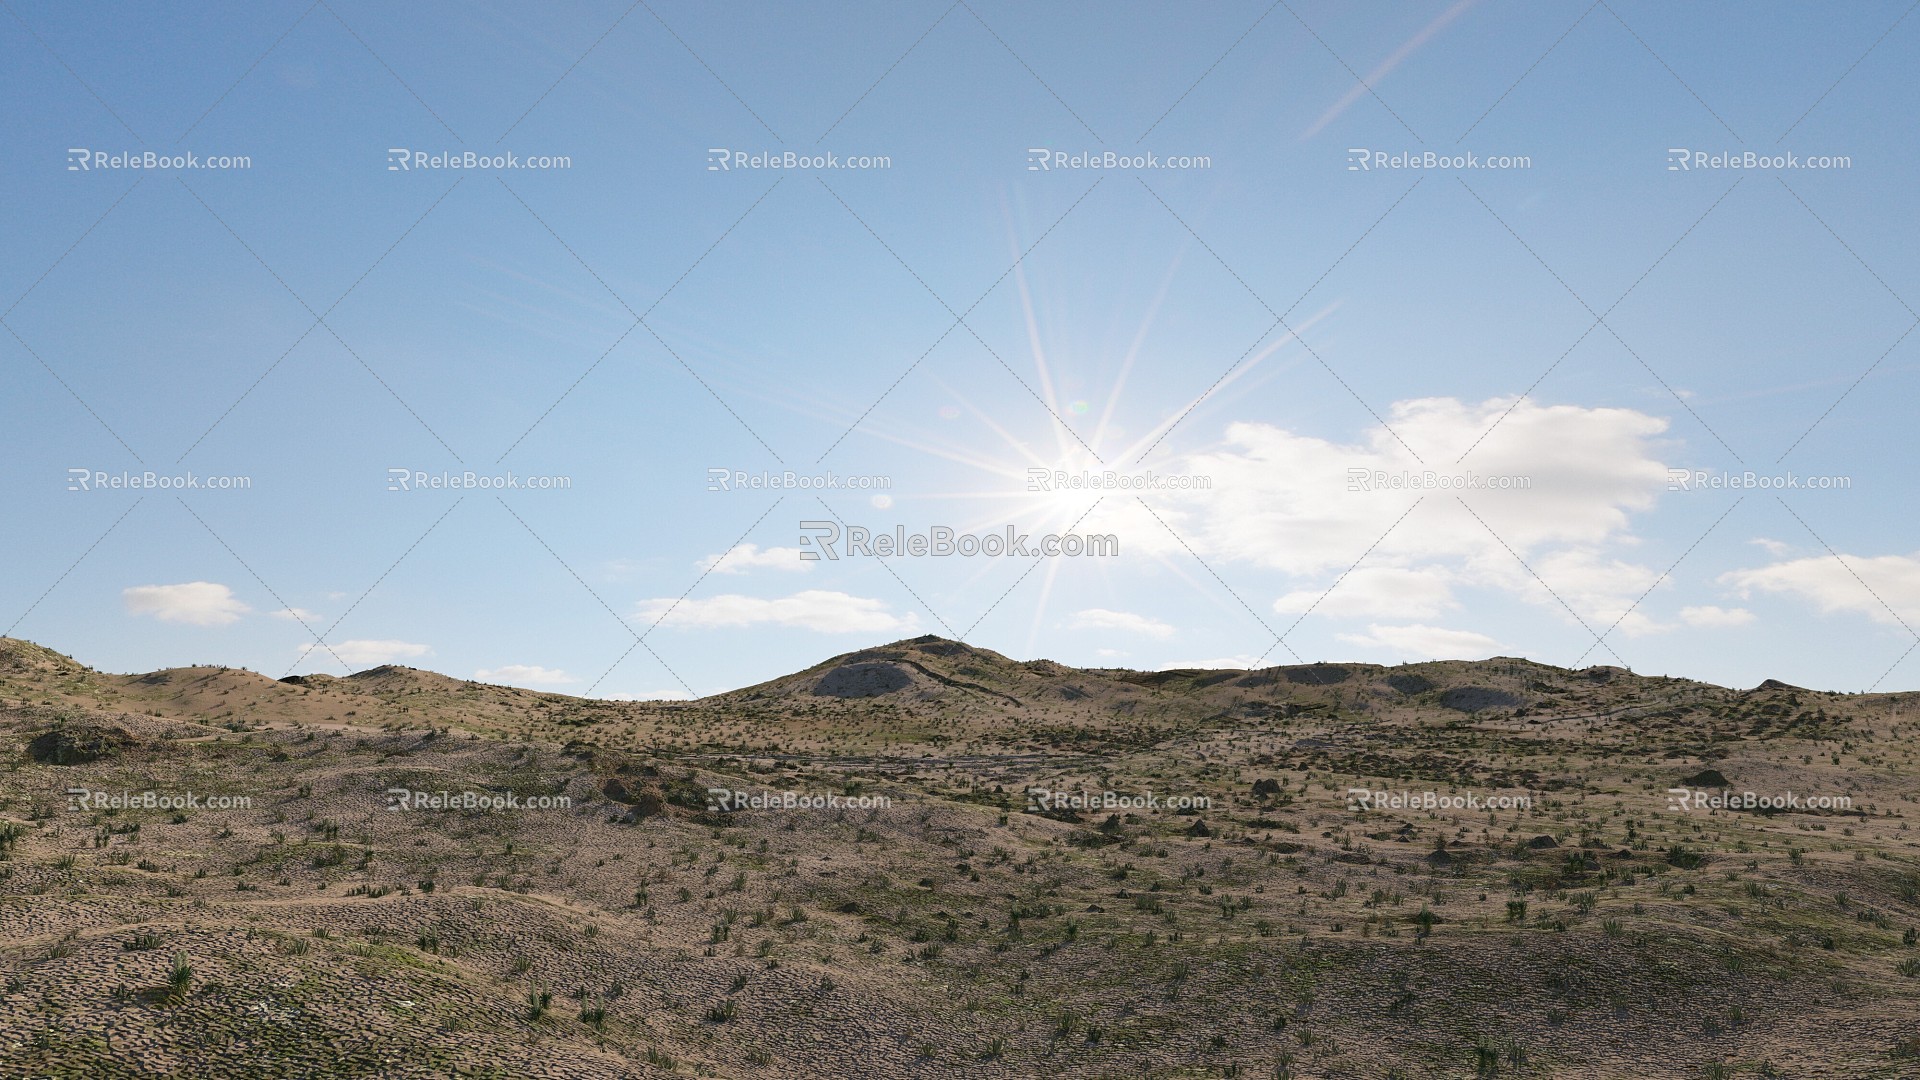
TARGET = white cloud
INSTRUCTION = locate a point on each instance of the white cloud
(1103, 619)
(1425, 642)
(298, 614)
(364, 653)
(1709, 615)
(1286, 501)
(1776, 548)
(1831, 587)
(649, 695)
(200, 603)
(1243, 661)
(747, 557)
(524, 675)
(1414, 593)
(813, 609)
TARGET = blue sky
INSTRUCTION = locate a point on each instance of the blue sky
(1568, 314)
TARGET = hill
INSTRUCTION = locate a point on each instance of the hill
(926, 859)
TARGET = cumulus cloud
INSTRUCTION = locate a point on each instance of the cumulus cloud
(198, 603)
(1858, 587)
(823, 610)
(1286, 501)
(745, 557)
(297, 614)
(1406, 592)
(366, 653)
(1708, 615)
(1425, 642)
(1103, 619)
(524, 675)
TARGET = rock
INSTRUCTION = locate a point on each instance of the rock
(1706, 778)
(1542, 842)
(1265, 788)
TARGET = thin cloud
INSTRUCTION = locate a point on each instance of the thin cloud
(1127, 621)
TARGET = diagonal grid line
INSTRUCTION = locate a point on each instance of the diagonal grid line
(76, 75)
(1182, 541)
(603, 603)
(639, 318)
(1668, 572)
(716, 75)
(250, 69)
(884, 394)
(1348, 572)
(72, 392)
(248, 392)
(321, 319)
(1850, 571)
(1670, 71)
(563, 75)
(1356, 75)
(289, 608)
(1849, 247)
(63, 255)
(1890, 668)
(391, 567)
(1036, 75)
(71, 567)
(1282, 319)
(1177, 421)
(1591, 327)
(1843, 78)
(1529, 71)
(396, 75)
(1203, 75)
(896, 577)
(640, 639)
(1031, 567)
(1851, 387)
(889, 71)
(961, 320)
(1543, 583)
(1601, 320)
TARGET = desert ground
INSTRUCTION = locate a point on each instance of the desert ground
(1195, 891)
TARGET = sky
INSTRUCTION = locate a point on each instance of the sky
(573, 346)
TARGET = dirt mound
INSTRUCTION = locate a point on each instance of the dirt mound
(1317, 674)
(394, 678)
(78, 742)
(863, 680)
(1410, 684)
(1478, 699)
